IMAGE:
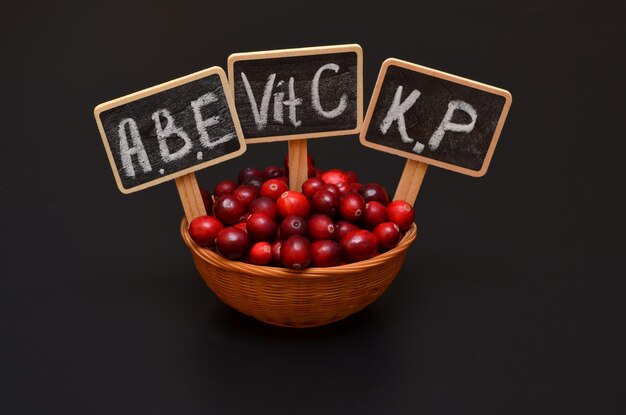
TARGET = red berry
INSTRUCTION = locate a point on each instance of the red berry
(276, 261)
(295, 252)
(242, 226)
(359, 245)
(232, 243)
(254, 181)
(321, 227)
(401, 213)
(225, 187)
(388, 235)
(293, 225)
(325, 253)
(273, 188)
(228, 209)
(351, 207)
(204, 229)
(311, 186)
(342, 228)
(261, 253)
(284, 180)
(265, 205)
(325, 202)
(247, 173)
(261, 227)
(246, 193)
(344, 189)
(375, 213)
(355, 187)
(334, 176)
(374, 191)
(352, 177)
(293, 203)
(207, 200)
(332, 188)
(271, 172)
(311, 172)
(309, 161)
(318, 173)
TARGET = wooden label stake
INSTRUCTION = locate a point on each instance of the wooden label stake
(411, 181)
(190, 196)
(298, 164)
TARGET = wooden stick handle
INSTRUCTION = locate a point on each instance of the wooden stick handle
(298, 164)
(190, 196)
(410, 181)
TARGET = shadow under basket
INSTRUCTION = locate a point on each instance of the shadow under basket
(307, 298)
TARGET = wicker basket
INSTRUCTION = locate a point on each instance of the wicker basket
(308, 298)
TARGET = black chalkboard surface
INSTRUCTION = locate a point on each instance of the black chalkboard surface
(170, 130)
(435, 117)
(298, 93)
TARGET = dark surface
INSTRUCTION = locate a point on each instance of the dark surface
(464, 149)
(332, 86)
(511, 300)
(177, 101)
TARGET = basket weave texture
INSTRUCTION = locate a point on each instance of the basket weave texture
(307, 298)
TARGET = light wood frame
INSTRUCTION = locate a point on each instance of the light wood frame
(163, 87)
(449, 77)
(318, 50)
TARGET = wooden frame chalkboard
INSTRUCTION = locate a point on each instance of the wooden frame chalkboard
(280, 58)
(212, 80)
(438, 81)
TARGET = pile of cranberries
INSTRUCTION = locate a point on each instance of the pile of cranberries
(333, 221)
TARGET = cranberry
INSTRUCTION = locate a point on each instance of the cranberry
(261, 253)
(311, 171)
(318, 172)
(261, 227)
(284, 180)
(276, 261)
(228, 209)
(374, 191)
(249, 172)
(293, 203)
(242, 226)
(293, 225)
(325, 253)
(401, 213)
(351, 207)
(375, 213)
(246, 194)
(344, 189)
(352, 177)
(321, 227)
(342, 228)
(271, 172)
(254, 181)
(311, 186)
(334, 176)
(388, 235)
(204, 229)
(359, 245)
(325, 202)
(355, 187)
(332, 188)
(295, 252)
(265, 205)
(207, 200)
(274, 188)
(232, 243)
(225, 187)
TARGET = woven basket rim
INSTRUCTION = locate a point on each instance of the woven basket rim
(307, 273)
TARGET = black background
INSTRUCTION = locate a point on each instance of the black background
(511, 300)
(302, 68)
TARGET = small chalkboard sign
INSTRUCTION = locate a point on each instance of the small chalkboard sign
(170, 130)
(301, 93)
(434, 117)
